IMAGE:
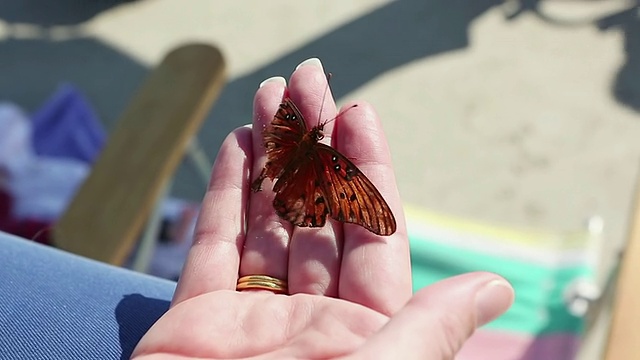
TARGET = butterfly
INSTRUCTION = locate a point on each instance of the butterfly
(314, 180)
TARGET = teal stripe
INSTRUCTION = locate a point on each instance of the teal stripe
(538, 309)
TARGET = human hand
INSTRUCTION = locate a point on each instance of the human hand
(349, 291)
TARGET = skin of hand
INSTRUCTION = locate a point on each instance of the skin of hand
(350, 290)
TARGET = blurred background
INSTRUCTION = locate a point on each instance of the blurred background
(502, 118)
(521, 113)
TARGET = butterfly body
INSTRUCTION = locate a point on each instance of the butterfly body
(314, 180)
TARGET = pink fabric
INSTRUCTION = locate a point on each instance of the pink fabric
(502, 345)
(33, 229)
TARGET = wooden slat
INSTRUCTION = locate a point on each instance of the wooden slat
(151, 137)
(624, 335)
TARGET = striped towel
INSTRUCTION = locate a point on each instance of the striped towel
(542, 266)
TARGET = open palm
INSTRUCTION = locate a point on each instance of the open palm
(349, 290)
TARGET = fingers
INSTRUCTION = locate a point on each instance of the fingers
(437, 321)
(212, 263)
(308, 258)
(376, 270)
(266, 246)
(311, 259)
(309, 90)
(314, 253)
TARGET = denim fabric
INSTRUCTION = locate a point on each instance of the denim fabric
(55, 305)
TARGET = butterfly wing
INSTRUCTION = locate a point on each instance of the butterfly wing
(314, 180)
(299, 198)
(329, 184)
(281, 140)
(288, 123)
(350, 195)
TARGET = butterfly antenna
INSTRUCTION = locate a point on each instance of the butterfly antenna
(324, 96)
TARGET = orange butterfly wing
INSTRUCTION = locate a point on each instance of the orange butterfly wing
(281, 141)
(315, 180)
(298, 198)
(351, 196)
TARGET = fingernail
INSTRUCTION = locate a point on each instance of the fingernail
(275, 79)
(311, 61)
(492, 300)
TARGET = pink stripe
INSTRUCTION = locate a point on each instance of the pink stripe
(497, 345)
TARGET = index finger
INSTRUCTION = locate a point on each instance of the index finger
(214, 257)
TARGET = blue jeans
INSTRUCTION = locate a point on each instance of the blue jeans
(55, 305)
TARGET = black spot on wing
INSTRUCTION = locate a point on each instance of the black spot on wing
(350, 172)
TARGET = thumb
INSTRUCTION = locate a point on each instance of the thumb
(437, 321)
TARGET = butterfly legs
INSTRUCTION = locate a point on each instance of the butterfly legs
(256, 185)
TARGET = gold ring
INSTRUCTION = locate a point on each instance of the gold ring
(262, 282)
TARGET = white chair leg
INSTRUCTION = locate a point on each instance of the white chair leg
(200, 160)
(150, 236)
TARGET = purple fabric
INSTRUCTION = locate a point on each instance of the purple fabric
(509, 345)
(67, 126)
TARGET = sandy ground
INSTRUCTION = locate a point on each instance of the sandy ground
(512, 121)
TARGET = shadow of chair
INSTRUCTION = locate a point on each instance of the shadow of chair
(109, 212)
